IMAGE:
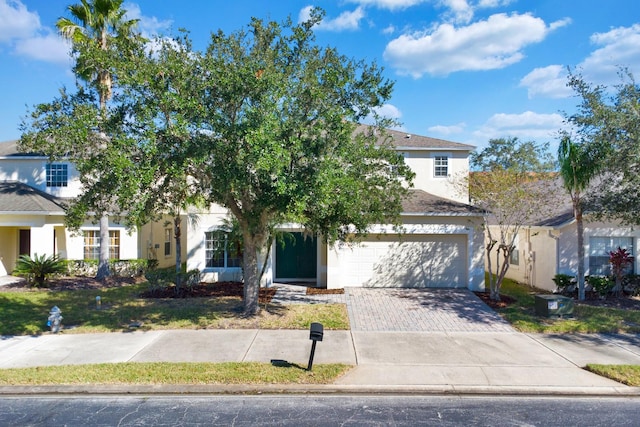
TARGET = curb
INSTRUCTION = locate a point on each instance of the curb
(622, 391)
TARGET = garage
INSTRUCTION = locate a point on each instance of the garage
(416, 261)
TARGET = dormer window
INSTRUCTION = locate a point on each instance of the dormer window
(441, 166)
(57, 175)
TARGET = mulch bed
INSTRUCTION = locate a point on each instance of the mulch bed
(322, 291)
(209, 290)
(504, 300)
(622, 303)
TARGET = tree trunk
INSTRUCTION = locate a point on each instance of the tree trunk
(580, 230)
(103, 258)
(177, 234)
(254, 248)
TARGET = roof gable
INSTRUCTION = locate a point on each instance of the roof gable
(16, 197)
(421, 202)
(404, 140)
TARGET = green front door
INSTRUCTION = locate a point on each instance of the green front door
(297, 257)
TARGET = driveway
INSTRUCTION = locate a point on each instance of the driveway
(406, 309)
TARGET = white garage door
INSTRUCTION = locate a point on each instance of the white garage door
(418, 261)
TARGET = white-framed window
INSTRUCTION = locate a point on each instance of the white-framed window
(514, 258)
(57, 174)
(599, 248)
(92, 244)
(440, 166)
(218, 252)
(167, 241)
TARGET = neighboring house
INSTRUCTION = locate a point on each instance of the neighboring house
(548, 245)
(33, 192)
(442, 245)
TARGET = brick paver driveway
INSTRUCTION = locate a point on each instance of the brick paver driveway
(407, 309)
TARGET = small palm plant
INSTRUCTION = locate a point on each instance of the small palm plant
(38, 269)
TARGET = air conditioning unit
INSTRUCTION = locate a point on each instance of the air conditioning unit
(553, 305)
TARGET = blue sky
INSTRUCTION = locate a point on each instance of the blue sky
(465, 70)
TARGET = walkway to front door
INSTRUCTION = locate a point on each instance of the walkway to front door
(406, 309)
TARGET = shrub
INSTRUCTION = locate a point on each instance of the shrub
(601, 284)
(122, 268)
(165, 278)
(565, 284)
(38, 269)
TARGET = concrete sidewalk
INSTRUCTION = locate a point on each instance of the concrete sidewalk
(438, 362)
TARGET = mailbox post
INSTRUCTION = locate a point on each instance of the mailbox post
(315, 335)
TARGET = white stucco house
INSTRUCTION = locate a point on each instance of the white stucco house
(441, 246)
(548, 245)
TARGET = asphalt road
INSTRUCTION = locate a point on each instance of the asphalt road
(317, 410)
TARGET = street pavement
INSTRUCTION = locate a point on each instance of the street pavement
(396, 344)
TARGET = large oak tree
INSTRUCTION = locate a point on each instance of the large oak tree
(265, 123)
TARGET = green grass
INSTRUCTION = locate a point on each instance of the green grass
(625, 374)
(173, 373)
(585, 319)
(25, 313)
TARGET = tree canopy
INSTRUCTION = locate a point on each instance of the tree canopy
(510, 185)
(264, 122)
(607, 123)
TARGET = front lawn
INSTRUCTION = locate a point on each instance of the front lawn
(122, 308)
(587, 318)
(173, 373)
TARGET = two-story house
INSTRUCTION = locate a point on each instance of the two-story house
(441, 244)
(33, 192)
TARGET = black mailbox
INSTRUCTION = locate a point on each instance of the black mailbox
(317, 331)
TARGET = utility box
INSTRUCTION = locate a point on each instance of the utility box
(553, 305)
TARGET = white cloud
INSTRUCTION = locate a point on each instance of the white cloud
(21, 30)
(389, 4)
(48, 48)
(619, 47)
(493, 3)
(345, 21)
(460, 10)
(149, 26)
(526, 126)
(16, 21)
(550, 82)
(389, 111)
(448, 130)
(484, 45)
(389, 30)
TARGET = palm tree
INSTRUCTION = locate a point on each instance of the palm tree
(577, 169)
(94, 24)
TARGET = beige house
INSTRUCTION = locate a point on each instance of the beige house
(548, 245)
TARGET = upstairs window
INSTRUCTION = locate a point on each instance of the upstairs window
(56, 175)
(441, 166)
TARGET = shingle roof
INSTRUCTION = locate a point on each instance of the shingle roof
(10, 149)
(421, 202)
(407, 140)
(16, 197)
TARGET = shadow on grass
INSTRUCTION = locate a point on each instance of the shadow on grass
(279, 363)
(122, 310)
